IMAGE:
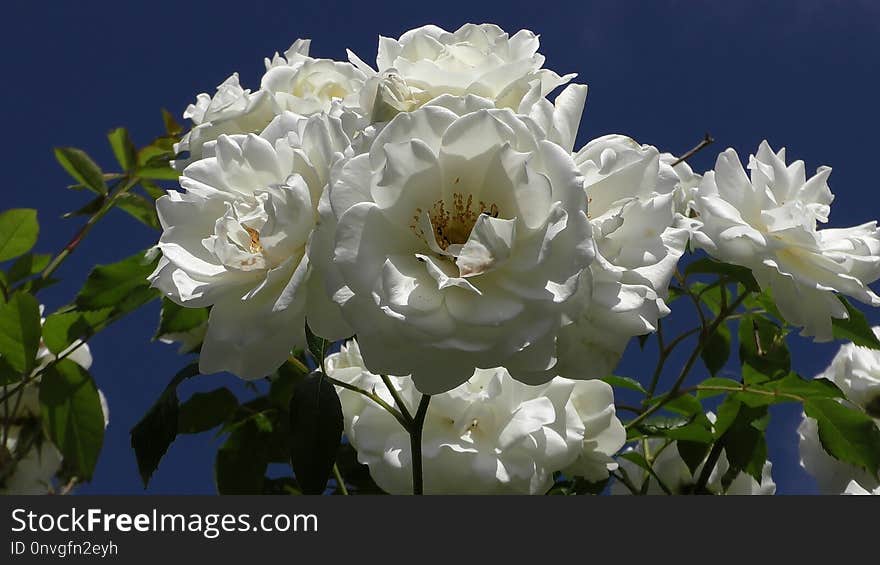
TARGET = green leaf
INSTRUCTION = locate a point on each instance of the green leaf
(731, 272)
(156, 431)
(716, 349)
(171, 125)
(318, 346)
(240, 465)
(122, 285)
(855, 328)
(763, 350)
(693, 453)
(139, 208)
(744, 443)
(206, 410)
(709, 294)
(81, 167)
(716, 382)
(624, 382)
(28, 265)
(72, 416)
(18, 232)
(846, 434)
(316, 429)
(20, 332)
(174, 318)
(88, 208)
(61, 329)
(686, 405)
(152, 189)
(123, 149)
(283, 384)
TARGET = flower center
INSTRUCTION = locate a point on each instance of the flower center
(453, 226)
(255, 245)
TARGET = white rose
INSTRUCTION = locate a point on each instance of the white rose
(236, 240)
(475, 59)
(306, 86)
(232, 110)
(672, 470)
(639, 237)
(29, 468)
(856, 371)
(456, 243)
(854, 488)
(491, 435)
(768, 224)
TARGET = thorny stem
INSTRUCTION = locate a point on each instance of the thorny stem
(108, 204)
(415, 437)
(401, 406)
(675, 392)
(372, 396)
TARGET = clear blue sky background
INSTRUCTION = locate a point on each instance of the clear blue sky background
(802, 74)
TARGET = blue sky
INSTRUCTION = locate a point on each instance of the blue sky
(802, 74)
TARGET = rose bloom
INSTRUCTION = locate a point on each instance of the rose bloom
(428, 62)
(634, 201)
(491, 435)
(856, 372)
(232, 110)
(455, 243)
(237, 240)
(306, 86)
(768, 223)
(672, 470)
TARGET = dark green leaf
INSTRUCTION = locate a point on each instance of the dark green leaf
(855, 328)
(81, 167)
(20, 332)
(283, 383)
(123, 149)
(624, 382)
(693, 453)
(139, 208)
(88, 208)
(241, 462)
(316, 428)
(72, 416)
(318, 346)
(716, 349)
(154, 434)
(731, 272)
(763, 350)
(847, 434)
(121, 285)
(175, 319)
(206, 410)
(744, 442)
(28, 265)
(18, 232)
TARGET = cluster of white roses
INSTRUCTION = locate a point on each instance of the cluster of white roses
(28, 460)
(856, 372)
(435, 208)
(489, 435)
